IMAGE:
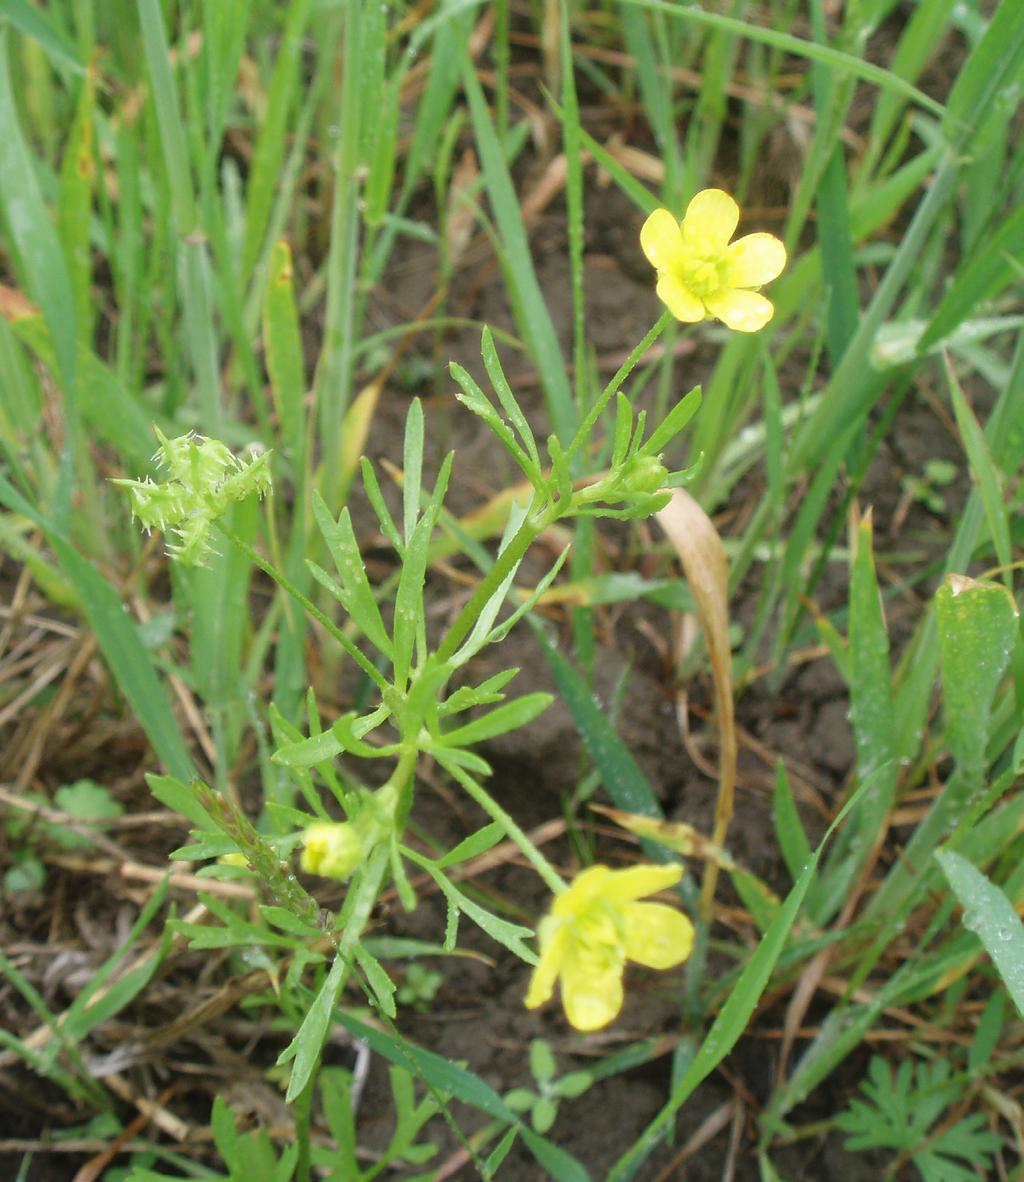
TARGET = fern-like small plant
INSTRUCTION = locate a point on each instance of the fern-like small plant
(900, 1109)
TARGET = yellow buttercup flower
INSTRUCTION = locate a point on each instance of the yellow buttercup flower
(700, 273)
(594, 928)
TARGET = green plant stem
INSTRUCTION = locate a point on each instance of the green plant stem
(521, 541)
(535, 524)
(302, 1108)
(289, 588)
(494, 810)
(623, 372)
(353, 919)
(400, 783)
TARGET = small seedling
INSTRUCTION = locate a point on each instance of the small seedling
(420, 987)
(85, 805)
(542, 1104)
(908, 1111)
(926, 488)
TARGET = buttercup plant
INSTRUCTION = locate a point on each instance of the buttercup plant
(276, 223)
(598, 922)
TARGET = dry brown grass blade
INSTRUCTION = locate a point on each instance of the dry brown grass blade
(813, 975)
(149, 1113)
(30, 752)
(724, 1116)
(676, 835)
(41, 1036)
(14, 305)
(706, 568)
(462, 208)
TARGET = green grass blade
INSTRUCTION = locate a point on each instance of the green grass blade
(994, 65)
(440, 1073)
(126, 253)
(284, 360)
(992, 917)
(871, 708)
(984, 275)
(927, 26)
(635, 190)
(841, 296)
(451, 28)
(33, 22)
(189, 249)
(218, 601)
(49, 578)
(985, 475)
(88, 1010)
(32, 234)
(851, 393)
(106, 405)
(623, 777)
(172, 130)
(225, 26)
(834, 59)
(793, 843)
(527, 297)
(656, 91)
(336, 363)
(573, 149)
(74, 208)
(734, 1016)
(118, 640)
(268, 153)
(977, 629)
(82, 1087)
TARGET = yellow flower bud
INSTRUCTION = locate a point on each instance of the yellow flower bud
(331, 850)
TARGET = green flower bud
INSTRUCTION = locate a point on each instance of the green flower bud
(644, 474)
(332, 850)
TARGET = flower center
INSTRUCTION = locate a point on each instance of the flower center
(702, 274)
(598, 936)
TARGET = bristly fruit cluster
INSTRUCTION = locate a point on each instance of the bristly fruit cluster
(205, 478)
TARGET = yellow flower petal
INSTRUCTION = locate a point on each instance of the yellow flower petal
(742, 311)
(661, 240)
(711, 220)
(586, 886)
(679, 300)
(753, 260)
(626, 885)
(552, 950)
(656, 935)
(591, 992)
